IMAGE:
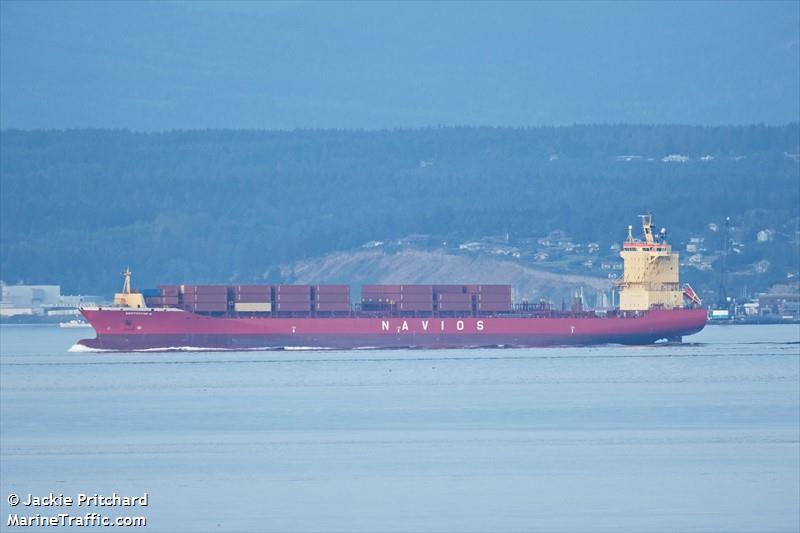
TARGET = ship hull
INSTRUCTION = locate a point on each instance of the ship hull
(156, 329)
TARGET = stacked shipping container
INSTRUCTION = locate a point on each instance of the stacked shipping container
(454, 301)
(205, 298)
(163, 296)
(402, 297)
(170, 290)
(460, 298)
(416, 298)
(161, 301)
(252, 298)
(153, 297)
(293, 298)
(448, 298)
(494, 298)
(332, 298)
(453, 289)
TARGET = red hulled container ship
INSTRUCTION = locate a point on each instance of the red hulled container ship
(653, 306)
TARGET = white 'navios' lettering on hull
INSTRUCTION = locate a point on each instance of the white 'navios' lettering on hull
(460, 325)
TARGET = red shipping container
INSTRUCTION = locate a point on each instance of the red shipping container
(333, 307)
(162, 299)
(332, 288)
(169, 290)
(496, 292)
(337, 301)
(493, 297)
(416, 298)
(495, 288)
(416, 288)
(264, 296)
(332, 294)
(293, 288)
(455, 306)
(414, 306)
(205, 288)
(449, 289)
(206, 297)
(297, 298)
(266, 293)
(207, 307)
(494, 306)
(219, 296)
(252, 298)
(253, 288)
(454, 297)
(292, 306)
(206, 302)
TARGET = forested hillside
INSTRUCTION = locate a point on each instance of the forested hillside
(79, 205)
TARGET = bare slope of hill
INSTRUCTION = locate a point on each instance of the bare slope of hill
(417, 266)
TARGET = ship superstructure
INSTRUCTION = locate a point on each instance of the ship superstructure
(128, 298)
(651, 274)
(653, 306)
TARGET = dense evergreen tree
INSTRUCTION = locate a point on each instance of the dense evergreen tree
(78, 205)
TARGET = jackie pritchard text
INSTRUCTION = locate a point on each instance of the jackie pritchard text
(73, 510)
(81, 500)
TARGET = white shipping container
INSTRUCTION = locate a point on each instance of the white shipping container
(252, 307)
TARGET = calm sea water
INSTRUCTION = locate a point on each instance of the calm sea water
(697, 437)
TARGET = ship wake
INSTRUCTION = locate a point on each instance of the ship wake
(81, 348)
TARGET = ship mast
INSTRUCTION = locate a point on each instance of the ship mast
(126, 284)
(128, 298)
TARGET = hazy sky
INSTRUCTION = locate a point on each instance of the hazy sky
(152, 66)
